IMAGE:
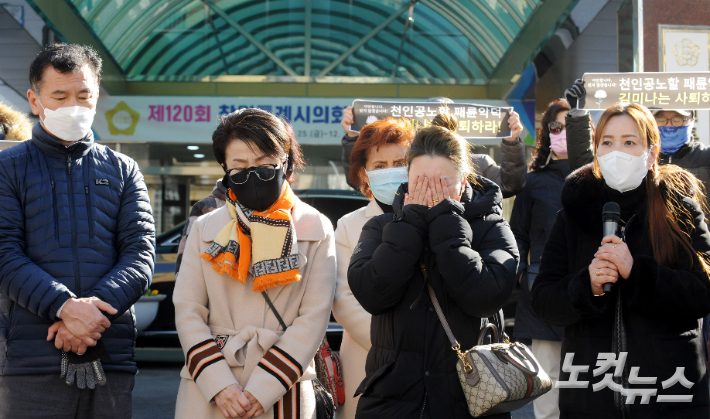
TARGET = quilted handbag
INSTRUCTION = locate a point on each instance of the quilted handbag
(330, 374)
(496, 378)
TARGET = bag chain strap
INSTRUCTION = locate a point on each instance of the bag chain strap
(455, 345)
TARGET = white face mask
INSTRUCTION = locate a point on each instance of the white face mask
(623, 172)
(385, 182)
(70, 124)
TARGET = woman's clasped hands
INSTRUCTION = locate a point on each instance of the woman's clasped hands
(611, 261)
(427, 191)
(234, 402)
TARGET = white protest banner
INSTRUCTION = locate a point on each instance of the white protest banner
(672, 90)
(192, 119)
(475, 121)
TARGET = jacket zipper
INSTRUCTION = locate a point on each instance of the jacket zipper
(75, 251)
(88, 210)
(9, 326)
(56, 215)
(421, 416)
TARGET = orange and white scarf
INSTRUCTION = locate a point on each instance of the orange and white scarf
(261, 242)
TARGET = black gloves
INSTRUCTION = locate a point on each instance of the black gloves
(85, 370)
(574, 93)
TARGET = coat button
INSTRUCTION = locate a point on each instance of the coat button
(431, 308)
(426, 373)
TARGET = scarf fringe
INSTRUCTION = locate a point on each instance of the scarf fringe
(236, 263)
(225, 267)
(267, 281)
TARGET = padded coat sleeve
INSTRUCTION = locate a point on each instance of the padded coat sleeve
(513, 167)
(386, 259)
(579, 140)
(21, 279)
(561, 297)
(520, 223)
(123, 285)
(479, 280)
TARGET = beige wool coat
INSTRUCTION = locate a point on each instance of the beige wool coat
(230, 335)
(346, 309)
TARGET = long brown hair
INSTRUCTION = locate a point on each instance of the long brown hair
(542, 145)
(670, 222)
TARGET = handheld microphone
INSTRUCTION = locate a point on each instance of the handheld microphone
(611, 215)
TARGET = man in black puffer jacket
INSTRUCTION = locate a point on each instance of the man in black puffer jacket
(78, 246)
(470, 257)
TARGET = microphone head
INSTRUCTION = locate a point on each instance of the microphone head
(611, 212)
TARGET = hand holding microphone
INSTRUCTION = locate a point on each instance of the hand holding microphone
(613, 258)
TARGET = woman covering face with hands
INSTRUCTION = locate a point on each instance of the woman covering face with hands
(657, 267)
(448, 223)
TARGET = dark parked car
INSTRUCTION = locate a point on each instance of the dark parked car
(161, 333)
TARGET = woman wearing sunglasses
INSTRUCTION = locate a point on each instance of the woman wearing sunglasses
(533, 214)
(262, 260)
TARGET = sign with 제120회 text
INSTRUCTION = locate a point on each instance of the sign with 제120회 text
(474, 121)
(676, 90)
(192, 119)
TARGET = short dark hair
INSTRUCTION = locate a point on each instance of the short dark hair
(64, 58)
(262, 129)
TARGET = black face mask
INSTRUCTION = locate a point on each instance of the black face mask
(257, 194)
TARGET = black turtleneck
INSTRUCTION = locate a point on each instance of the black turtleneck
(631, 201)
(385, 208)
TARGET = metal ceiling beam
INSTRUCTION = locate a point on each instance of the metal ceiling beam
(18, 50)
(307, 49)
(490, 48)
(364, 40)
(66, 22)
(542, 23)
(231, 22)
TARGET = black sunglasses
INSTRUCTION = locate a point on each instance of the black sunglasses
(264, 172)
(556, 127)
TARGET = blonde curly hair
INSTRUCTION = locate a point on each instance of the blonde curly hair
(16, 125)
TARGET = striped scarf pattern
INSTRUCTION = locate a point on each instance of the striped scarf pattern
(262, 243)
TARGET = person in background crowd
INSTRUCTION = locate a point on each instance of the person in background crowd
(533, 214)
(658, 269)
(77, 241)
(378, 168)
(509, 176)
(263, 259)
(14, 125)
(448, 219)
(676, 130)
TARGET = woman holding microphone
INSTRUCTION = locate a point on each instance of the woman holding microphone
(659, 271)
